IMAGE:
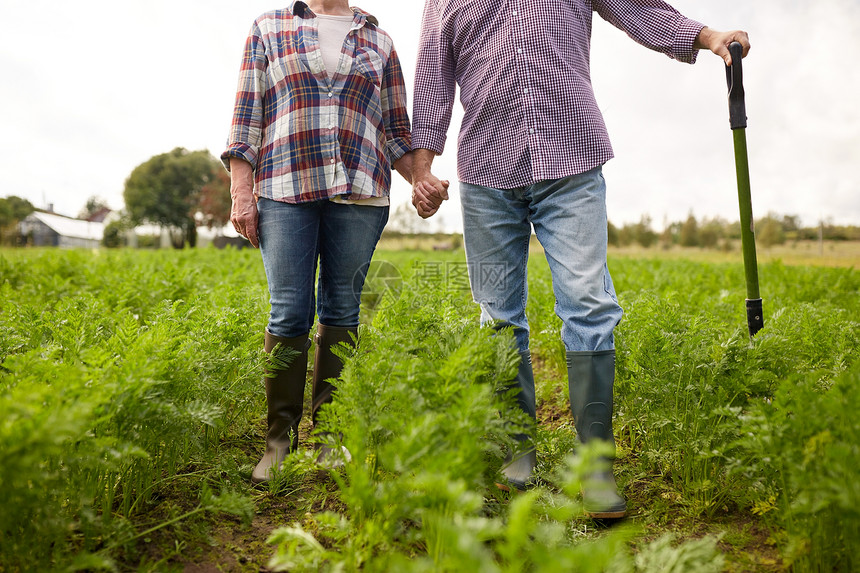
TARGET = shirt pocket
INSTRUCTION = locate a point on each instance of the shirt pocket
(369, 64)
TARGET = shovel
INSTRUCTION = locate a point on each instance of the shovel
(738, 121)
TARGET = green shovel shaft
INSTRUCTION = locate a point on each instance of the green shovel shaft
(738, 122)
(745, 204)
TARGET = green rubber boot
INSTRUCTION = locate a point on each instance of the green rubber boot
(591, 376)
(518, 471)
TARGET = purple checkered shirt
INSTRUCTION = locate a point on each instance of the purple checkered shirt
(524, 77)
(309, 136)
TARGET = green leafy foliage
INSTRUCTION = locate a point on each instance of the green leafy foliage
(125, 376)
(712, 421)
(12, 210)
(117, 373)
(800, 452)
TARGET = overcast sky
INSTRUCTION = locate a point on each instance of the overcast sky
(92, 88)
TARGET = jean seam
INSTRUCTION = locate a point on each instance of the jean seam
(524, 279)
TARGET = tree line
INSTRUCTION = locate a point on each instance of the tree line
(719, 233)
(183, 190)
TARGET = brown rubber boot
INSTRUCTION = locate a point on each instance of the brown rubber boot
(326, 367)
(286, 373)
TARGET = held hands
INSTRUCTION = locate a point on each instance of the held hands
(428, 192)
(718, 42)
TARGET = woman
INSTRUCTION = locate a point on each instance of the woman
(320, 118)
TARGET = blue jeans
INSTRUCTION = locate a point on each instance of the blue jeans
(569, 219)
(293, 237)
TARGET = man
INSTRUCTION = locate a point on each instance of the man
(530, 153)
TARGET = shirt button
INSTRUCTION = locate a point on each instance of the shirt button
(514, 12)
(531, 130)
(332, 160)
(519, 50)
(526, 90)
(330, 94)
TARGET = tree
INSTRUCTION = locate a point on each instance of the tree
(671, 234)
(116, 231)
(215, 201)
(94, 206)
(12, 210)
(791, 223)
(689, 234)
(165, 190)
(640, 232)
(612, 236)
(112, 237)
(711, 231)
(768, 231)
(643, 232)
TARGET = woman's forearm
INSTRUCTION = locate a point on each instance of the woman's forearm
(241, 177)
(404, 166)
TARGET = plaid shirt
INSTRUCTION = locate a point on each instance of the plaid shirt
(524, 77)
(308, 136)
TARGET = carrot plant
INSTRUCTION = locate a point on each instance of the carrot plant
(692, 392)
(688, 379)
(418, 406)
(799, 456)
(111, 388)
(131, 404)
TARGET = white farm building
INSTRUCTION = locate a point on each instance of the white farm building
(51, 230)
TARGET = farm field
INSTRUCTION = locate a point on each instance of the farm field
(132, 413)
(794, 253)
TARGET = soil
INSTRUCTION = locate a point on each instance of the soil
(225, 544)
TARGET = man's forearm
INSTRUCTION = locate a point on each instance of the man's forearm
(701, 42)
(422, 162)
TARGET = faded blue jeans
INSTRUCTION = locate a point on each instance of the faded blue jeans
(569, 219)
(293, 237)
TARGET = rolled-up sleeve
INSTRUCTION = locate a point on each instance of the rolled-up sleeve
(655, 25)
(246, 129)
(435, 84)
(395, 114)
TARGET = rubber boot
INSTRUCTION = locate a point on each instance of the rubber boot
(518, 472)
(327, 366)
(285, 392)
(591, 376)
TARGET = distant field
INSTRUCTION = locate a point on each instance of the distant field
(826, 254)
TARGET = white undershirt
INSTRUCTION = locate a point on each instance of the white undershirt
(332, 32)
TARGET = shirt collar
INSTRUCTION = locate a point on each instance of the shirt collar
(300, 8)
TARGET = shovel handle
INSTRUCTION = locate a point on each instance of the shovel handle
(735, 81)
